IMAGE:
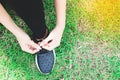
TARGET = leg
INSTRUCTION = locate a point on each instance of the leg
(32, 12)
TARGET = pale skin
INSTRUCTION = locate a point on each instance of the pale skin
(27, 44)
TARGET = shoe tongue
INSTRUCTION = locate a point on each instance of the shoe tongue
(43, 51)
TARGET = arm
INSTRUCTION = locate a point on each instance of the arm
(60, 6)
(56, 34)
(6, 20)
(27, 44)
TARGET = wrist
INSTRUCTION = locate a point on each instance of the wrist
(18, 32)
(60, 22)
(60, 26)
(60, 29)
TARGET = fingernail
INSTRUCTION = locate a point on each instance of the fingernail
(41, 47)
(49, 41)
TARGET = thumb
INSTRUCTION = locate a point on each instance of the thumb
(46, 41)
(35, 45)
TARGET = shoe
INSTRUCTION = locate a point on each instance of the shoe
(45, 60)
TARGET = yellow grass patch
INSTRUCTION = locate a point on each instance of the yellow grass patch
(100, 16)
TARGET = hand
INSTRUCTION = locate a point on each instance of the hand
(53, 40)
(27, 44)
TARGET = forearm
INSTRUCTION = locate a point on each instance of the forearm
(60, 6)
(6, 20)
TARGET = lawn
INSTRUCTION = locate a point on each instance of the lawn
(89, 48)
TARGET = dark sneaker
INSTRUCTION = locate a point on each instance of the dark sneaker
(45, 60)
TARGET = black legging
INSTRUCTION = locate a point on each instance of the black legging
(32, 12)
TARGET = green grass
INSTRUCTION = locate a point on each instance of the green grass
(87, 51)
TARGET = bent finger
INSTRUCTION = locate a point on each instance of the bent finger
(34, 45)
(48, 48)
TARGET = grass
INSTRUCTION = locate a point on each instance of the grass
(89, 49)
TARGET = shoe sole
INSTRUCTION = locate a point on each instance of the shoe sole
(36, 61)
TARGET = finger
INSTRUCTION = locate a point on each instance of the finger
(48, 48)
(49, 43)
(33, 50)
(34, 45)
(47, 40)
(42, 43)
(29, 51)
(39, 43)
